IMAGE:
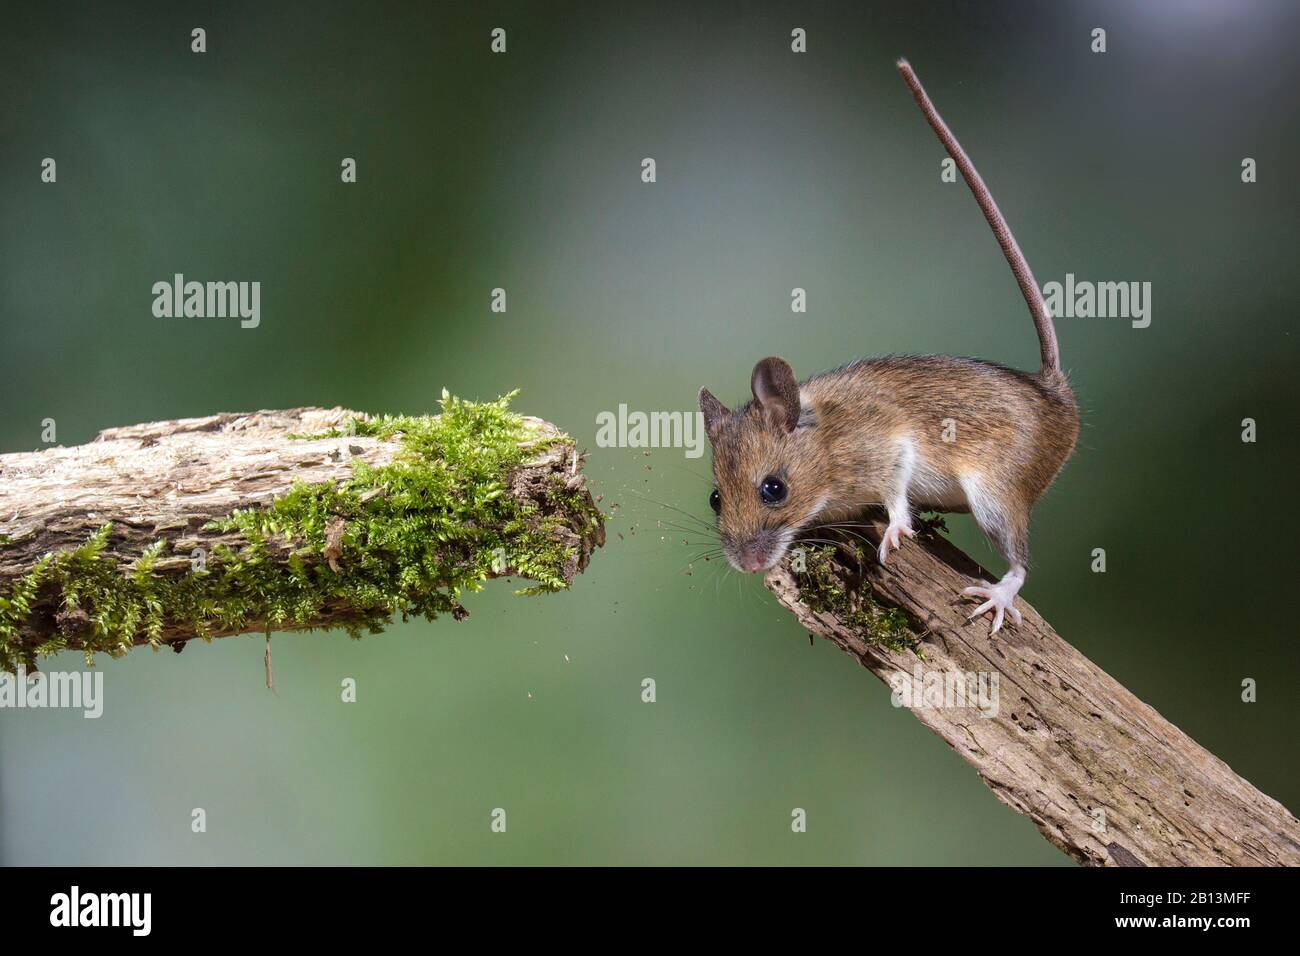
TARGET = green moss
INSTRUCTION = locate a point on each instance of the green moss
(823, 590)
(408, 538)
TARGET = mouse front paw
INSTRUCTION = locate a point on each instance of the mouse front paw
(892, 539)
(1000, 600)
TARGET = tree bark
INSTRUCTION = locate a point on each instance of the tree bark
(165, 481)
(1103, 776)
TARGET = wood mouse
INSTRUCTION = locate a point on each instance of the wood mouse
(930, 432)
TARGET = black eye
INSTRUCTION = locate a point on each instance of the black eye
(715, 502)
(772, 490)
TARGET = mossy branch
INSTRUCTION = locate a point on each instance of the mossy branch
(1102, 775)
(281, 520)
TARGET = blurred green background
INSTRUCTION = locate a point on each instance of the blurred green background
(522, 171)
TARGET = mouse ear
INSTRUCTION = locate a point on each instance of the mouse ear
(714, 412)
(776, 392)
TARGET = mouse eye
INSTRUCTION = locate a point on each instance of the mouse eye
(715, 502)
(772, 490)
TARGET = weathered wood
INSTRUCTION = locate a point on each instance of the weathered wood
(167, 480)
(1067, 740)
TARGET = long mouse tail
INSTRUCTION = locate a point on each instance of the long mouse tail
(1038, 309)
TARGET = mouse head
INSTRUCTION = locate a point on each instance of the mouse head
(767, 480)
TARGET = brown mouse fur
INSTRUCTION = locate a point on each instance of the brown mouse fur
(927, 432)
(1011, 432)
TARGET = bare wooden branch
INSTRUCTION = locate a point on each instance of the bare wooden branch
(1103, 776)
(166, 481)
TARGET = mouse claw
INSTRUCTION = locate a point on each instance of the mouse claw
(892, 540)
(1001, 601)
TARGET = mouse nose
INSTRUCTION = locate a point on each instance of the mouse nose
(752, 557)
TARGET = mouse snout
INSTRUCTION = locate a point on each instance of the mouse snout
(753, 554)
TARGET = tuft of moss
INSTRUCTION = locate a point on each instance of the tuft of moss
(824, 590)
(408, 538)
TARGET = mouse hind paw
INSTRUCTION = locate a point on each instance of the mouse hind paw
(999, 598)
